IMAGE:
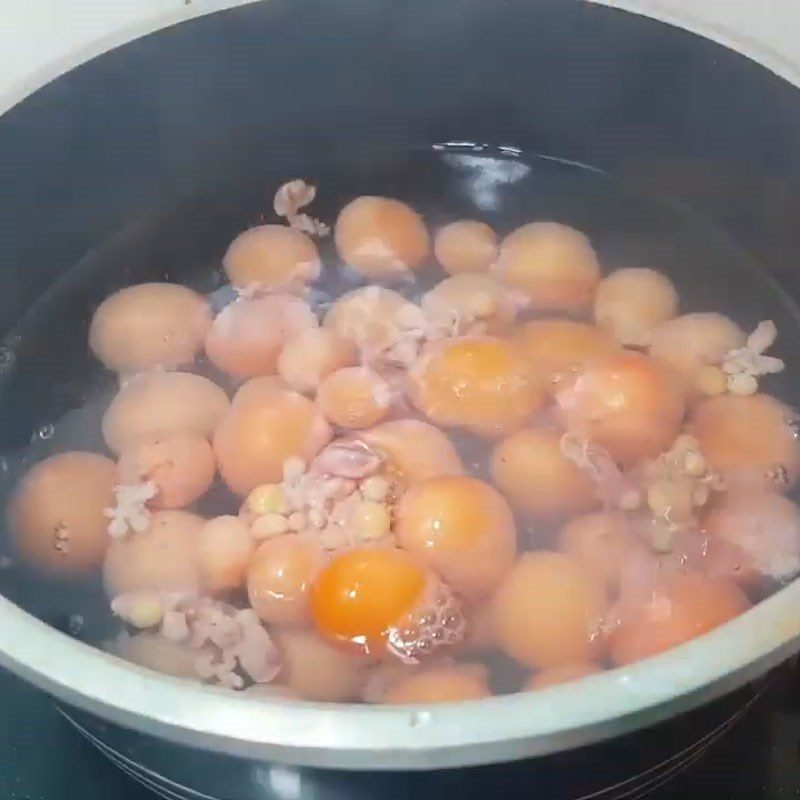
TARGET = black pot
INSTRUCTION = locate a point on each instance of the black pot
(146, 161)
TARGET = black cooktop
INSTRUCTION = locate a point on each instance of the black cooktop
(743, 747)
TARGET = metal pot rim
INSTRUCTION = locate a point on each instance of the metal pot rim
(375, 737)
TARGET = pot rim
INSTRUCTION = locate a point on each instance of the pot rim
(375, 737)
(754, 49)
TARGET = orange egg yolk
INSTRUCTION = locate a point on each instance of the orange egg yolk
(362, 594)
(478, 382)
(627, 404)
(557, 348)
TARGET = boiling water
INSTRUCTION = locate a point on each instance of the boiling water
(53, 393)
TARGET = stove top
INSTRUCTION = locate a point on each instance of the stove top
(746, 746)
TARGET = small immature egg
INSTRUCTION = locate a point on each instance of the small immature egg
(478, 382)
(672, 500)
(150, 325)
(415, 449)
(162, 558)
(316, 670)
(155, 404)
(537, 478)
(464, 299)
(311, 355)
(552, 264)
(601, 542)
(370, 520)
(462, 528)
(56, 514)
(753, 536)
(354, 397)
(560, 675)
(247, 336)
(142, 610)
(152, 651)
(465, 246)
(448, 683)
(682, 607)
(556, 349)
(747, 440)
(279, 578)
(380, 237)
(631, 302)
(181, 465)
(259, 434)
(271, 256)
(376, 600)
(224, 547)
(270, 498)
(548, 611)
(627, 404)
